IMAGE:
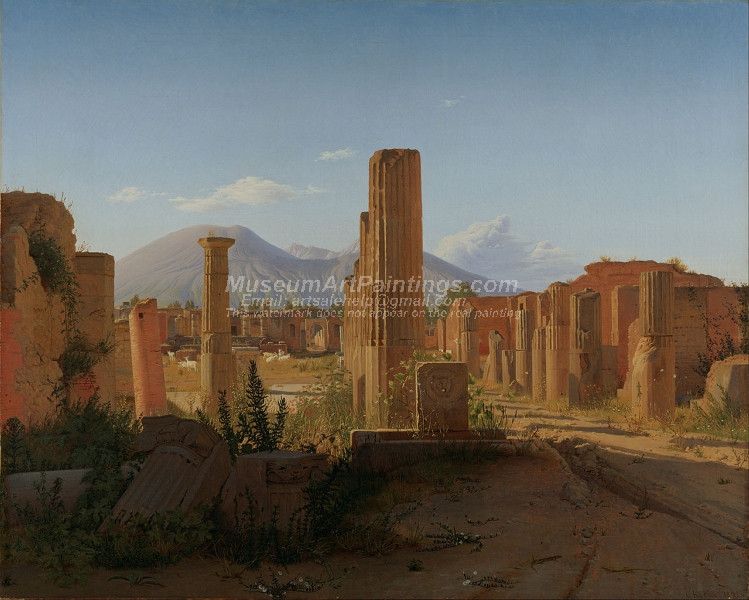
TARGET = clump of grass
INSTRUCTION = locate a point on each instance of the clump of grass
(487, 415)
(720, 417)
(310, 365)
(322, 418)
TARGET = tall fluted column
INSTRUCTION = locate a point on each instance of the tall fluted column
(526, 321)
(538, 364)
(585, 347)
(653, 366)
(216, 358)
(384, 300)
(558, 342)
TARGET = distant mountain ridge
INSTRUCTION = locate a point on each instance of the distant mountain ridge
(171, 268)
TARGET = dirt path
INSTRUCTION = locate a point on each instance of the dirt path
(595, 513)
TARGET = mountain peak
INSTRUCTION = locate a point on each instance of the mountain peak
(171, 267)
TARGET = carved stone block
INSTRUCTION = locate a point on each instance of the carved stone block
(188, 464)
(274, 482)
(441, 396)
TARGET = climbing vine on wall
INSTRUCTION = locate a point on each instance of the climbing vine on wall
(56, 275)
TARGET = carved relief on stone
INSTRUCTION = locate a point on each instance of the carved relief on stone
(296, 471)
(442, 396)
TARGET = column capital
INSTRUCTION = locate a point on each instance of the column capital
(216, 242)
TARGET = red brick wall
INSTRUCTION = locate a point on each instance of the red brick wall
(11, 359)
(694, 310)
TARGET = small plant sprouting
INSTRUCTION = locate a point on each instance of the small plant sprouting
(415, 565)
(488, 581)
(449, 537)
(277, 590)
(638, 460)
(642, 511)
(724, 481)
(137, 579)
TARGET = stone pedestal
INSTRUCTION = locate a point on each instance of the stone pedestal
(216, 359)
(145, 351)
(274, 482)
(441, 396)
(585, 348)
(653, 387)
(558, 342)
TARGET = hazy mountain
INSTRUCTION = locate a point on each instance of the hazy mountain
(171, 268)
(312, 252)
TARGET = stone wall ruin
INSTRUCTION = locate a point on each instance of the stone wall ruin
(33, 333)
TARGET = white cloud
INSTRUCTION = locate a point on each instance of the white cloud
(451, 103)
(336, 155)
(248, 191)
(491, 249)
(130, 194)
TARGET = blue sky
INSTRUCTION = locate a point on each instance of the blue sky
(550, 133)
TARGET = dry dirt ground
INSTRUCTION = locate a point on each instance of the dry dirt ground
(595, 511)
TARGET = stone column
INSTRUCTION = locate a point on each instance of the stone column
(625, 307)
(148, 370)
(509, 383)
(216, 358)
(95, 275)
(389, 269)
(123, 362)
(585, 347)
(653, 385)
(558, 342)
(493, 366)
(538, 364)
(523, 336)
(468, 341)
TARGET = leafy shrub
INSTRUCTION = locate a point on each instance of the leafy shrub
(50, 539)
(719, 343)
(78, 436)
(245, 423)
(322, 418)
(157, 541)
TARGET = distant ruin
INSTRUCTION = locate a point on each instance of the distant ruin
(586, 334)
